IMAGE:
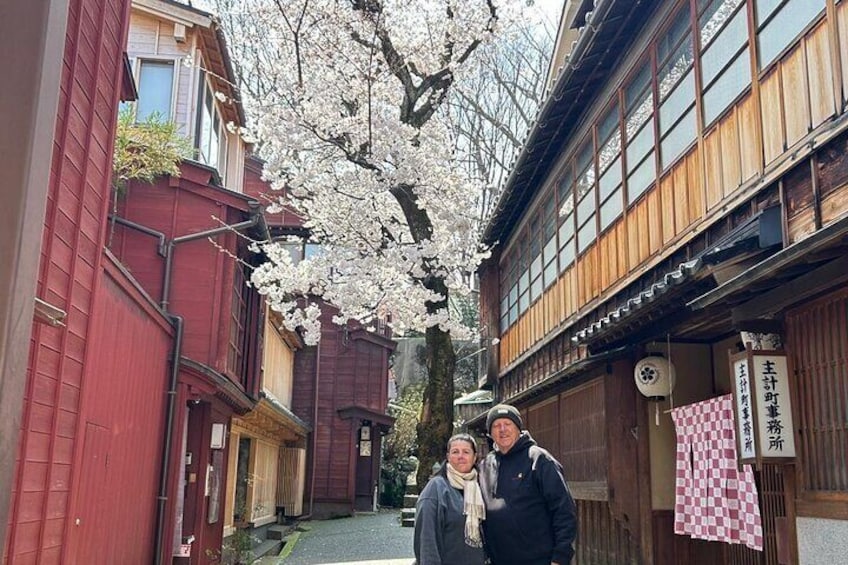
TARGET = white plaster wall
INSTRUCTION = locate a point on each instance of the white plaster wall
(721, 363)
(693, 367)
(822, 542)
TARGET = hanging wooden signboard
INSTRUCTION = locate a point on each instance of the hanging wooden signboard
(762, 405)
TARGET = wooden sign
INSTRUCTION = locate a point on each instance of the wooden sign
(763, 408)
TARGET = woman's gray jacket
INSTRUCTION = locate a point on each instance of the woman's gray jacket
(440, 526)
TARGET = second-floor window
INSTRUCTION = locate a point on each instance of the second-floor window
(210, 139)
(155, 90)
(725, 62)
(676, 89)
(779, 23)
(609, 167)
(639, 129)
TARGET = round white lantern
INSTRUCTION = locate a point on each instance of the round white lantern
(654, 377)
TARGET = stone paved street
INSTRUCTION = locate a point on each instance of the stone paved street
(365, 539)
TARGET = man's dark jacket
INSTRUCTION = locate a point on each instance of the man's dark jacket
(530, 515)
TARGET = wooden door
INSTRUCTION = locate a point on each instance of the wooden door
(93, 536)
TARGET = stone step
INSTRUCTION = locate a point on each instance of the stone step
(408, 522)
(409, 500)
(277, 531)
(268, 547)
(407, 513)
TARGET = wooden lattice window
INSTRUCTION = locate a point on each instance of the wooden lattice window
(817, 340)
(238, 321)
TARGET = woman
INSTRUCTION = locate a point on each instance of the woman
(450, 509)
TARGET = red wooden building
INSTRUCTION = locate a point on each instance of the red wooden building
(340, 389)
(221, 319)
(87, 471)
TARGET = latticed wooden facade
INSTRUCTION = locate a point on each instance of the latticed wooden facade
(685, 181)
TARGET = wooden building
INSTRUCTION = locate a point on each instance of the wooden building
(340, 389)
(683, 188)
(93, 408)
(186, 240)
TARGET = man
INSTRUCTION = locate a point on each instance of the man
(530, 515)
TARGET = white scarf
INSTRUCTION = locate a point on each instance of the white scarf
(473, 507)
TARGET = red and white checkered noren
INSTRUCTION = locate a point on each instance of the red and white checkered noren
(713, 500)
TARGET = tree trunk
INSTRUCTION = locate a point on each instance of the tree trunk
(436, 423)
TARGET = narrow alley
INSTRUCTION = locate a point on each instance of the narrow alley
(363, 539)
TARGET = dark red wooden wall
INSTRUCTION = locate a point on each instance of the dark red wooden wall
(122, 428)
(93, 383)
(352, 371)
(202, 276)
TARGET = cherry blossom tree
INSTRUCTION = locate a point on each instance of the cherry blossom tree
(348, 100)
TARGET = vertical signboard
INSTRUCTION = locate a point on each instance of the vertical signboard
(744, 409)
(763, 408)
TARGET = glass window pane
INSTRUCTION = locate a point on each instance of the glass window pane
(712, 20)
(640, 115)
(677, 103)
(550, 250)
(610, 150)
(585, 209)
(641, 178)
(523, 302)
(536, 289)
(640, 146)
(764, 8)
(295, 250)
(782, 30)
(675, 70)
(563, 190)
(513, 313)
(536, 267)
(610, 180)
(611, 209)
(550, 273)
(678, 138)
(635, 91)
(524, 281)
(586, 236)
(566, 231)
(727, 87)
(609, 123)
(720, 52)
(678, 29)
(566, 255)
(155, 84)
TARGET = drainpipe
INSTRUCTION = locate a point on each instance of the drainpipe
(160, 248)
(256, 218)
(315, 426)
(162, 499)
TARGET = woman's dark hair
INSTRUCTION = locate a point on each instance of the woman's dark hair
(463, 437)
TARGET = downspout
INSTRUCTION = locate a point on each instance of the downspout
(160, 248)
(315, 426)
(162, 499)
(256, 218)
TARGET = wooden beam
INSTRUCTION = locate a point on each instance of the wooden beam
(787, 294)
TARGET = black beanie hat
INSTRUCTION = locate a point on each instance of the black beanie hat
(503, 411)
